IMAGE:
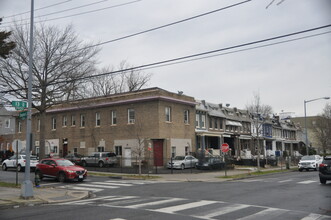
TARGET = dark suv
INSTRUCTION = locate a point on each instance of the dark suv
(325, 170)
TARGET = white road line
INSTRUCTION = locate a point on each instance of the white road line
(177, 208)
(87, 200)
(312, 216)
(84, 188)
(284, 181)
(97, 186)
(115, 184)
(121, 198)
(125, 182)
(154, 203)
(307, 182)
(221, 211)
(270, 212)
(251, 180)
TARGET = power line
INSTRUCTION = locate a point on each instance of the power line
(57, 12)
(163, 26)
(87, 12)
(27, 12)
(174, 60)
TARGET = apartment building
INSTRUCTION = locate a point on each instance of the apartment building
(128, 124)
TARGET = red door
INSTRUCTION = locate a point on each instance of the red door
(158, 152)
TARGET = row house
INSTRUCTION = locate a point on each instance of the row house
(7, 128)
(217, 124)
(128, 124)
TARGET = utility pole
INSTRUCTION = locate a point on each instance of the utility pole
(27, 187)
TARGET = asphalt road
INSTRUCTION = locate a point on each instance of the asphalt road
(291, 195)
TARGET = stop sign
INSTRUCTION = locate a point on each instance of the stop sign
(225, 148)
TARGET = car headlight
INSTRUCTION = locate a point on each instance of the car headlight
(71, 171)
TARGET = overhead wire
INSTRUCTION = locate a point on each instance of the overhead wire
(58, 12)
(173, 61)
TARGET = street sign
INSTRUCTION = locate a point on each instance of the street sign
(23, 115)
(19, 105)
(225, 148)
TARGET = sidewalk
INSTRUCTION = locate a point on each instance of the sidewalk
(10, 197)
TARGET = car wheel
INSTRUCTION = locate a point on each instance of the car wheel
(101, 164)
(39, 174)
(61, 177)
(19, 168)
(84, 164)
(4, 167)
(80, 180)
(300, 170)
(182, 166)
(323, 181)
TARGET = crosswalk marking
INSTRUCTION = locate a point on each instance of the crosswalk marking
(208, 212)
(98, 186)
(312, 216)
(284, 181)
(267, 213)
(82, 188)
(177, 208)
(307, 182)
(111, 183)
(160, 202)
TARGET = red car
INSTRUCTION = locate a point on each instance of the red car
(61, 169)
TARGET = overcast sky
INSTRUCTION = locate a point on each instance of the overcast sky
(284, 74)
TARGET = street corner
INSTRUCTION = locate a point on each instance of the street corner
(57, 195)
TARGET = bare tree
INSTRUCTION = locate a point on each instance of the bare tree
(125, 79)
(322, 129)
(60, 60)
(259, 113)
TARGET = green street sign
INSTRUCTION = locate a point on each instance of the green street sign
(19, 105)
(23, 115)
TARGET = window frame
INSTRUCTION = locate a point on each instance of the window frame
(167, 110)
(97, 119)
(131, 113)
(82, 121)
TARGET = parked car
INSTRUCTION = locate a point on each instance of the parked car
(60, 169)
(209, 163)
(310, 162)
(75, 158)
(20, 164)
(100, 159)
(325, 170)
(182, 162)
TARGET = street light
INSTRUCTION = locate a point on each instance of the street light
(306, 131)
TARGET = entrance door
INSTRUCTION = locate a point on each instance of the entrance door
(158, 152)
(127, 157)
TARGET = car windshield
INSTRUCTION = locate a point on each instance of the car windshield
(308, 158)
(31, 157)
(64, 163)
(179, 158)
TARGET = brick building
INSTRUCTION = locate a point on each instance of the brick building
(126, 123)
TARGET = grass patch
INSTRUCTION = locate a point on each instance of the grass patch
(255, 173)
(13, 185)
(143, 177)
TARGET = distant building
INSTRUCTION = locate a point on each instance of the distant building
(7, 128)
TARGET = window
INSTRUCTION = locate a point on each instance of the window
(131, 116)
(7, 123)
(203, 121)
(38, 125)
(210, 123)
(101, 149)
(82, 120)
(75, 150)
(113, 118)
(64, 121)
(73, 120)
(216, 123)
(187, 150)
(97, 119)
(53, 123)
(186, 116)
(173, 152)
(19, 127)
(118, 150)
(197, 120)
(168, 114)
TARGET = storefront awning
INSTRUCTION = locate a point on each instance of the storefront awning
(233, 123)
